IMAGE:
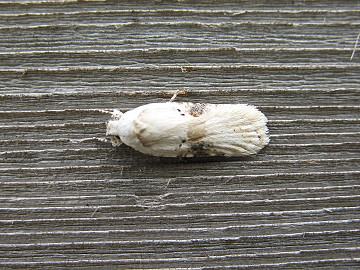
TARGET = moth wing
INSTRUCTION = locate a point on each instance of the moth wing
(188, 129)
(230, 130)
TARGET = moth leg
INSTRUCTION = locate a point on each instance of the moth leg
(115, 141)
(174, 96)
(182, 92)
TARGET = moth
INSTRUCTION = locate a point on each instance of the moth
(185, 129)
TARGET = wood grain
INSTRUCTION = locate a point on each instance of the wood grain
(70, 200)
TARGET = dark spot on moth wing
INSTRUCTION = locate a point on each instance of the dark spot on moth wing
(182, 142)
(197, 150)
(181, 113)
(197, 109)
(201, 149)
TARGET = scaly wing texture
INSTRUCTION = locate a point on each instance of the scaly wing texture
(229, 130)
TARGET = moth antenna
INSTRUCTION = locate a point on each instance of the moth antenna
(107, 111)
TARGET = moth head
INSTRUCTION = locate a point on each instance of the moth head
(112, 128)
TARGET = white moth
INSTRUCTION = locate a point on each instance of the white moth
(184, 129)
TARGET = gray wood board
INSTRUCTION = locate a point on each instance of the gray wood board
(71, 200)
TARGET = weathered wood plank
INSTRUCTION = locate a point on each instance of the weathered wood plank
(68, 199)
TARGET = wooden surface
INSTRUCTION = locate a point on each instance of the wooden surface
(70, 200)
